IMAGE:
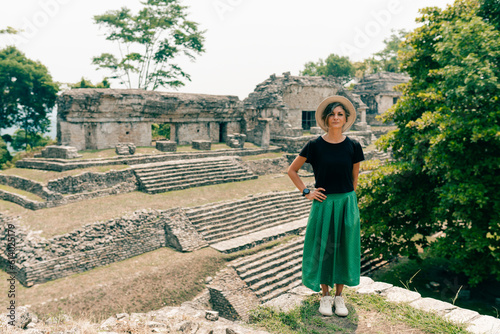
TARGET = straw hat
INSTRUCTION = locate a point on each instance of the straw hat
(345, 102)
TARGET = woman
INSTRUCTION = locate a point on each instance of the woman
(332, 243)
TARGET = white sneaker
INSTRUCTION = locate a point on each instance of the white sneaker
(325, 305)
(340, 308)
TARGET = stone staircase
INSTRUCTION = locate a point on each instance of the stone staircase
(232, 219)
(274, 272)
(271, 273)
(181, 174)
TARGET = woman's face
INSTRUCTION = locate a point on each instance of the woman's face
(337, 118)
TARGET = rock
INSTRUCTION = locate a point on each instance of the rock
(212, 315)
(209, 279)
(120, 316)
(109, 323)
(166, 146)
(188, 327)
(202, 145)
(400, 295)
(485, 324)
(60, 152)
(125, 148)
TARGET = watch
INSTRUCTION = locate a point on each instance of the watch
(305, 191)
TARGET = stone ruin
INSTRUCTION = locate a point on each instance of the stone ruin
(377, 92)
(90, 119)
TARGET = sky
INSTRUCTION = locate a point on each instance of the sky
(246, 40)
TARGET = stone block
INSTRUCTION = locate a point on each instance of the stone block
(460, 315)
(212, 315)
(485, 324)
(60, 152)
(202, 145)
(285, 302)
(316, 130)
(433, 305)
(376, 287)
(125, 148)
(400, 295)
(166, 146)
(236, 140)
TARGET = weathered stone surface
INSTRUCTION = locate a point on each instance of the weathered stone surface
(202, 145)
(125, 148)
(460, 315)
(485, 324)
(28, 185)
(400, 295)
(230, 295)
(60, 152)
(375, 287)
(180, 233)
(377, 91)
(212, 315)
(285, 302)
(433, 305)
(236, 140)
(166, 146)
(267, 166)
(316, 130)
(101, 118)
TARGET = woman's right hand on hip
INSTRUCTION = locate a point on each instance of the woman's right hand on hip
(316, 194)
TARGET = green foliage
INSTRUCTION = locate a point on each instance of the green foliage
(388, 59)
(4, 153)
(84, 83)
(27, 92)
(21, 140)
(161, 131)
(148, 42)
(490, 12)
(334, 65)
(446, 143)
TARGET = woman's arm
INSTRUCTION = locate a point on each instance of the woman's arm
(355, 174)
(294, 176)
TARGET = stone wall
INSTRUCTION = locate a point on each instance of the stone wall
(88, 182)
(28, 185)
(102, 118)
(40, 260)
(267, 166)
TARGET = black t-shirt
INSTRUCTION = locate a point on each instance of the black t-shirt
(332, 163)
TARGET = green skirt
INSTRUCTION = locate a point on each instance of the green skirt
(332, 252)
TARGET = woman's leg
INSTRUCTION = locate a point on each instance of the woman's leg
(324, 289)
(338, 289)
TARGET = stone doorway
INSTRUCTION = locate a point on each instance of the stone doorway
(161, 131)
(222, 132)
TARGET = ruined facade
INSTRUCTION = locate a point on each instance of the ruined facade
(377, 92)
(289, 103)
(102, 118)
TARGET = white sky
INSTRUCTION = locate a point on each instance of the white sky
(246, 40)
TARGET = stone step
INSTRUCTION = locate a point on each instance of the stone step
(192, 170)
(167, 180)
(285, 283)
(246, 227)
(217, 180)
(260, 206)
(276, 276)
(230, 205)
(229, 222)
(290, 262)
(279, 291)
(259, 265)
(181, 163)
(252, 239)
(253, 261)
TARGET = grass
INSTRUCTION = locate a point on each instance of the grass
(110, 153)
(367, 314)
(433, 269)
(63, 219)
(262, 156)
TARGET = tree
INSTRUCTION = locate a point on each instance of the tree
(148, 43)
(4, 153)
(84, 83)
(388, 57)
(21, 140)
(446, 145)
(334, 65)
(27, 92)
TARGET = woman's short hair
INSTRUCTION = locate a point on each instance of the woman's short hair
(329, 109)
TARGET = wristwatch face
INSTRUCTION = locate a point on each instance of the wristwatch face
(305, 192)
